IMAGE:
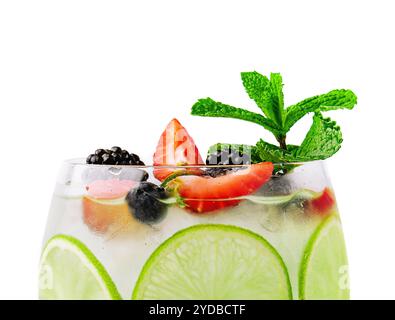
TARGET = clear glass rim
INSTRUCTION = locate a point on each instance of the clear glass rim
(82, 162)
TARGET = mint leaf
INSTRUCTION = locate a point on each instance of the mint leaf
(210, 108)
(267, 94)
(333, 100)
(276, 98)
(255, 85)
(322, 141)
(281, 158)
(269, 152)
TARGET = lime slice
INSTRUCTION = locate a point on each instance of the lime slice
(324, 268)
(69, 271)
(214, 262)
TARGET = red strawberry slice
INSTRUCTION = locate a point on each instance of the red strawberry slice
(205, 194)
(323, 203)
(175, 147)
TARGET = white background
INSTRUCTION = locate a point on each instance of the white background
(77, 75)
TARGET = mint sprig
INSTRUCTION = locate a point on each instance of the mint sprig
(322, 140)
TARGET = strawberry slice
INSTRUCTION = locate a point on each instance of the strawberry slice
(323, 203)
(205, 194)
(175, 147)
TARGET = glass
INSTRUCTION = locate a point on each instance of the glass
(282, 242)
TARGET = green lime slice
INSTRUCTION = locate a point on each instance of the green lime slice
(70, 271)
(214, 262)
(324, 268)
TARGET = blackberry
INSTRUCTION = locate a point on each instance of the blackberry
(93, 159)
(114, 156)
(100, 152)
(125, 156)
(217, 171)
(116, 150)
(225, 157)
(107, 159)
(218, 157)
(134, 158)
(144, 202)
(228, 157)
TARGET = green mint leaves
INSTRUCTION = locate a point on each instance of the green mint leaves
(333, 100)
(210, 108)
(269, 152)
(267, 94)
(322, 140)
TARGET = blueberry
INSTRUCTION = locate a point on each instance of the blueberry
(144, 202)
(144, 176)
